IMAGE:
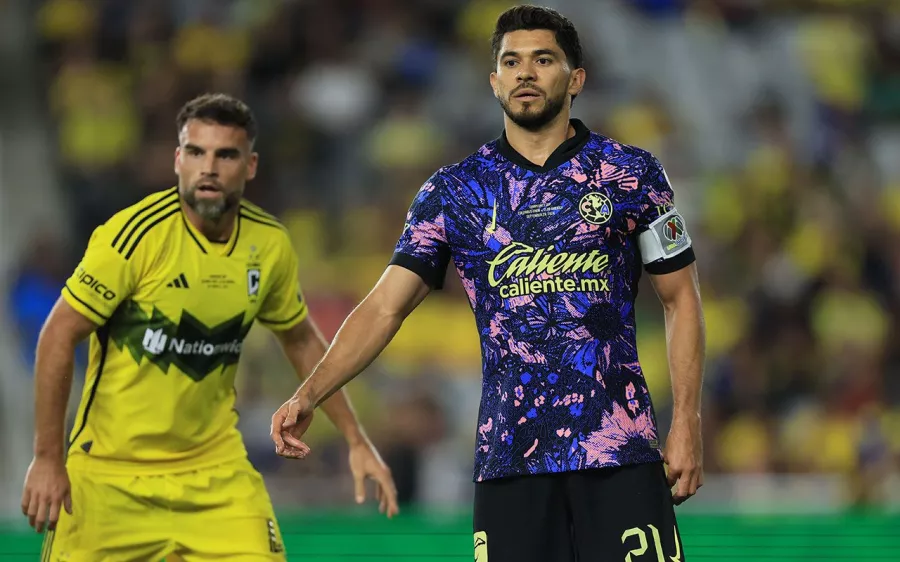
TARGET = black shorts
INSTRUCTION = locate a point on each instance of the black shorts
(597, 515)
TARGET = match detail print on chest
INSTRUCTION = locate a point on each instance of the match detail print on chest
(538, 207)
(230, 283)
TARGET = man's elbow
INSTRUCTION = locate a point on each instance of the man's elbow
(377, 309)
(686, 298)
(300, 337)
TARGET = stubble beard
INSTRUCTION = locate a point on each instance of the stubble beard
(532, 120)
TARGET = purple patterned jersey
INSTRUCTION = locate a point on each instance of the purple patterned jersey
(550, 257)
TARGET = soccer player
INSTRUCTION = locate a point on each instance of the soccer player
(549, 228)
(167, 290)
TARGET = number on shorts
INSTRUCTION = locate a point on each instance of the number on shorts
(642, 537)
(657, 543)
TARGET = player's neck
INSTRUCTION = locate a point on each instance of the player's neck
(537, 146)
(218, 231)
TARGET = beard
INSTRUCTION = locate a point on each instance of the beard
(211, 210)
(534, 120)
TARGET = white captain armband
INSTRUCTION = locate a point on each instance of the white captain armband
(665, 238)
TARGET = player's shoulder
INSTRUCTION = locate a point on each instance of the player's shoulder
(128, 228)
(259, 218)
(262, 226)
(622, 155)
(471, 168)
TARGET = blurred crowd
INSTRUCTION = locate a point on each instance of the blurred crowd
(778, 122)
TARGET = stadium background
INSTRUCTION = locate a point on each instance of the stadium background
(778, 122)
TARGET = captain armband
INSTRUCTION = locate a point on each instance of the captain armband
(666, 238)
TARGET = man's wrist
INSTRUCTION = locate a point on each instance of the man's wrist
(690, 416)
(306, 395)
(355, 436)
(350, 428)
(49, 453)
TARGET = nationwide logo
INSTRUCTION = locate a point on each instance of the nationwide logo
(156, 342)
(509, 269)
(194, 348)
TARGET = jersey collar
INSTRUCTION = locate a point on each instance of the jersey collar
(563, 153)
(213, 248)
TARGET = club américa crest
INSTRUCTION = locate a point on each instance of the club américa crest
(595, 208)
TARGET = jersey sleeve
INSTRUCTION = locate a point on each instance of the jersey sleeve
(663, 238)
(103, 279)
(284, 306)
(423, 247)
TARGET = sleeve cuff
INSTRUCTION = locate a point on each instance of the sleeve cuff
(673, 264)
(83, 307)
(286, 324)
(433, 277)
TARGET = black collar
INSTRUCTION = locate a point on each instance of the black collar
(563, 153)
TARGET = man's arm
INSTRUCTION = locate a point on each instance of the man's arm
(47, 486)
(304, 347)
(64, 329)
(679, 293)
(366, 332)
(362, 337)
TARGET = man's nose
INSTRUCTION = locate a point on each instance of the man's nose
(526, 73)
(210, 166)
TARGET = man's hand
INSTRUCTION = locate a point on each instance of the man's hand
(365, 462)
(684, 457)
(47, 489)
(289, 424)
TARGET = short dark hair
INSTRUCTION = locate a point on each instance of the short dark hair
(219, 108)
(527, 17)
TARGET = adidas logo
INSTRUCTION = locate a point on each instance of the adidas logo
(179, 282)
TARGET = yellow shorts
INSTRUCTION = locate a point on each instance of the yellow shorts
(219, 513)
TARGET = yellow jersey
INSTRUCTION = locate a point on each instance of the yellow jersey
(173, 310)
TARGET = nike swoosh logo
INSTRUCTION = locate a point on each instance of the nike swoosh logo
(493, 225)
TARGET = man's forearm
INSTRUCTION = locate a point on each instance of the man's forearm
(686, 344)
(304, 358)
(362, 337)
(341, 414)
(54, 366)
